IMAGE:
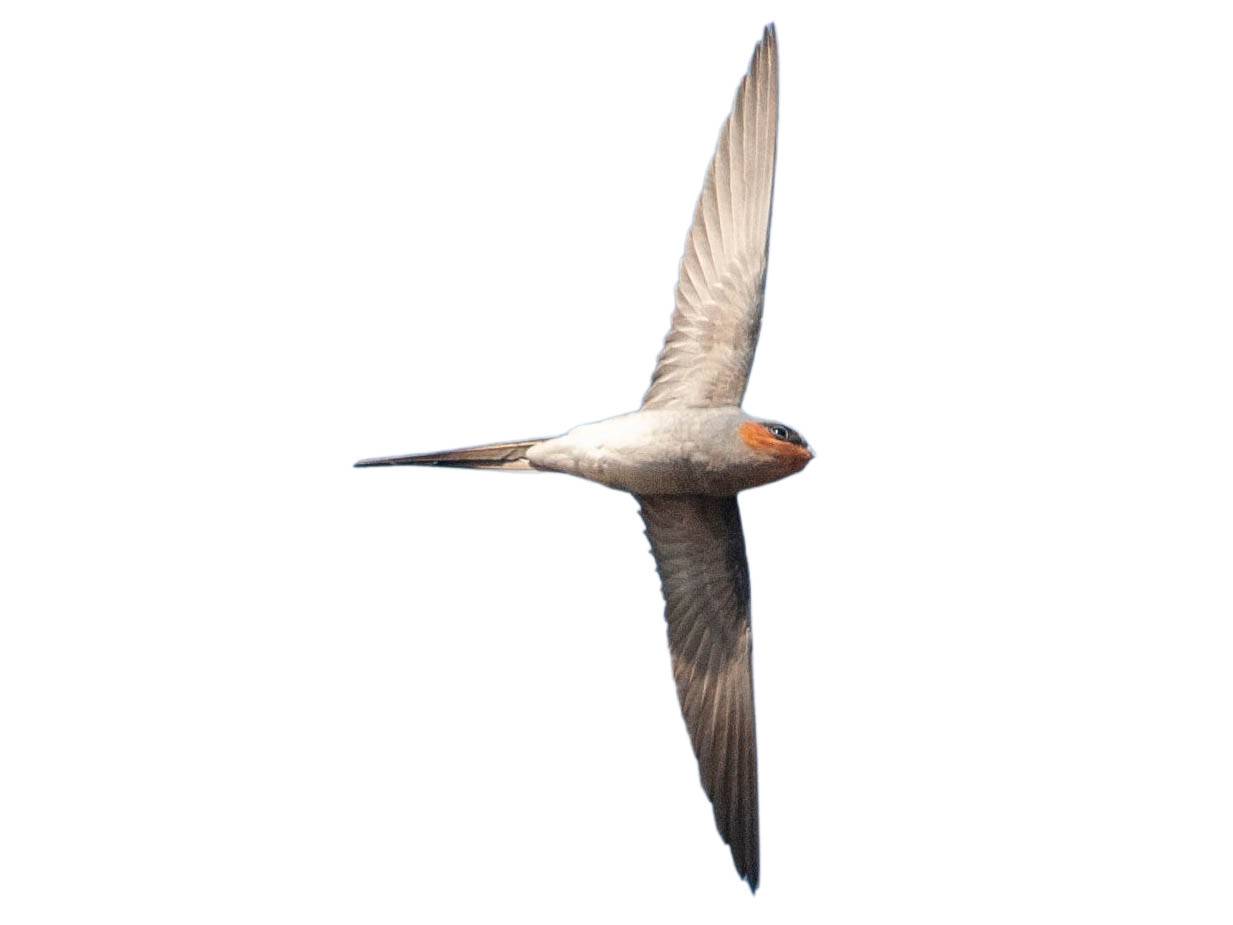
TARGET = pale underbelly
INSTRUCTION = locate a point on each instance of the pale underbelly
(664, 471)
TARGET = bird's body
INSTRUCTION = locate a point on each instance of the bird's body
(688, 451)
(671, 451)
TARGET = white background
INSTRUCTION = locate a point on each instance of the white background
(245, 244)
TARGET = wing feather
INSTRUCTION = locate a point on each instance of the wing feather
(709, 350)
(699, 549)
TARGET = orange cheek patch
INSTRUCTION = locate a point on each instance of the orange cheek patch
(759, 438)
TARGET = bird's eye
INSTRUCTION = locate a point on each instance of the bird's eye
(779, 432)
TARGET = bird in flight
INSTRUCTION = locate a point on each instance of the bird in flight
(690, 449)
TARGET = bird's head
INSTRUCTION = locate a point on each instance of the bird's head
(778, 447)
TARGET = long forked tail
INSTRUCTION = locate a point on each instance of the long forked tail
(492, 456)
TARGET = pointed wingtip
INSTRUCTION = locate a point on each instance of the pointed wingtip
(749, 872)
(770, 41)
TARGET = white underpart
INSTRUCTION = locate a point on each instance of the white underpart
(660, 451)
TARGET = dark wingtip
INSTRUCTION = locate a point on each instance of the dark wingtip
(750, 875)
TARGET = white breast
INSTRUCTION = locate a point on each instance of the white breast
(660, 451)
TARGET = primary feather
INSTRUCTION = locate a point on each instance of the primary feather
(699, 549)
(709, 350)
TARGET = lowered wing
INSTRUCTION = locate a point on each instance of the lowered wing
(699, 549)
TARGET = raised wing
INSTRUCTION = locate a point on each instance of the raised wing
(706, 358)
(700, 552)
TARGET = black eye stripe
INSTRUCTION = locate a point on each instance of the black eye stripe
(785, 433)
